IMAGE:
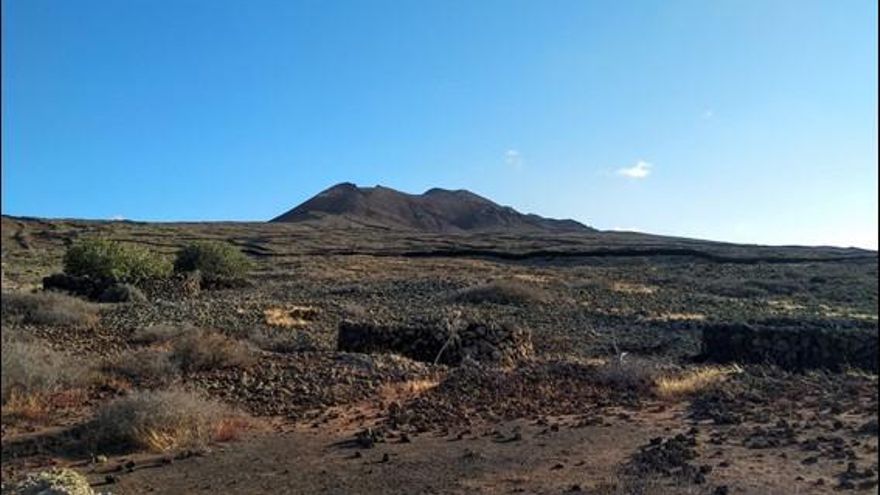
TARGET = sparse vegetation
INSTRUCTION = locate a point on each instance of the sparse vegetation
(47, 308)
(105, 259)
(691, 381)
(509, 292)
(31, 372)
(200, 350)
(144, 365)
(214, 260)
(122, 293)
(163, 332)
(631, 374)
(618, 365)
(162, 421)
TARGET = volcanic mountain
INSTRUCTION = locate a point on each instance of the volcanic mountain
(436, 210)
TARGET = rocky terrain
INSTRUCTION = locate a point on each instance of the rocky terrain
(364, 357)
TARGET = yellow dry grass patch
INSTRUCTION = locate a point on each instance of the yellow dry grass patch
(785, 305)
(175, 436)
(290, 317)
(692, 381)
(26, 406)
(677, 317)
(538, 279)
(631, 288)
(832, 312)
(406, 389)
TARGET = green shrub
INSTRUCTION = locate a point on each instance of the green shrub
(109, 260)
(215, 260)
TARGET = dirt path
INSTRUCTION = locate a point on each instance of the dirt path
(512, 457)
(515, 456)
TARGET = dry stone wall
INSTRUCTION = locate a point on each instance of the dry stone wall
(793, 347)
(487, 343)
(174, 287)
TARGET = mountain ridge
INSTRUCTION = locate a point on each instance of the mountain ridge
(435, 210)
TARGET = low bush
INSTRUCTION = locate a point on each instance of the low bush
(692, 381)
(201, 350)
(628, 374)
(502, 292)
(160, 333)
(31, 371)
(104, 259)
(46, 308)
(148, 366)
(162, 421)
(117, 293)
(214, 260)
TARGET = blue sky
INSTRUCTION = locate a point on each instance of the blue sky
(747, 121)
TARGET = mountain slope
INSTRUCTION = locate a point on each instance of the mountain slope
(437, 210)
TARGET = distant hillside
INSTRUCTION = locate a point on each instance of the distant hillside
(437, 210)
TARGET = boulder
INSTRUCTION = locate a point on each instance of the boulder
(59, 481)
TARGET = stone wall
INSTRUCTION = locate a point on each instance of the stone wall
(174, 287)
(794, 346)
(488, 343)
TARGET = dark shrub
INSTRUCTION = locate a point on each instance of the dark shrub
(47, 308)
(200, 350)
(215, 260)
(109, 260)
(161, 333)
(143, 366)
(502, 292)
(117, 293)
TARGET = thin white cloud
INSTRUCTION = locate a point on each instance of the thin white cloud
(640, 170)
(513, 158)
(117, 218)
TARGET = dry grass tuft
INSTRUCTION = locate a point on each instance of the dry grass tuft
(691, 382)
(677, 317)
(144, 365)
(47, 308)
(201, 350)
(632, 288)
(164, 421)
(294, 316)
(406, 389)
(31, 372)
(510, 292)
(632, 374)
(160, 333)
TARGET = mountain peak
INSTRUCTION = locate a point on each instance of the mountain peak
(436, 210)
